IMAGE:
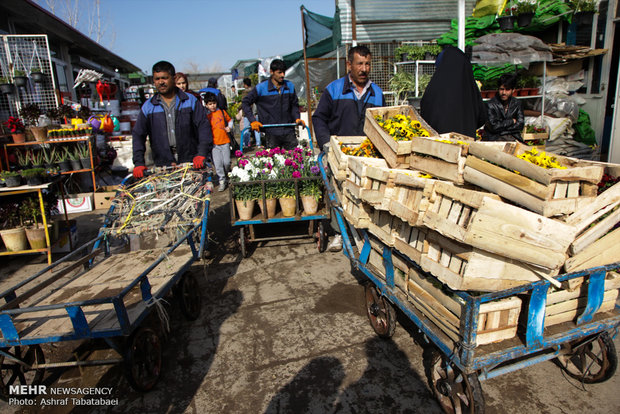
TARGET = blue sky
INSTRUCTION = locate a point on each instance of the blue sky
(210, 33)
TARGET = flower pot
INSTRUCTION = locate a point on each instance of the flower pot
(19, 138)
(288, 204)
(85, 163)
(76, 165)
(506, 22)
(584, 18)
(534, 91)
(271, 207)
(311, 206)
(40, 133)
(404, 57)
(37, 77)
(14, 239)
(245, 208)
(36, 180)
(65, 166)
(13, 181)
(524, 19)
(36, 236)
(429, 56)
(6, 88)
(20, 81)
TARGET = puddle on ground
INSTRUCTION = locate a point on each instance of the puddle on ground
(342, 298)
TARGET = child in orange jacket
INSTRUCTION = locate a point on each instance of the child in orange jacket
(221, 125)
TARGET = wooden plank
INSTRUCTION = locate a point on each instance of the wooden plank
(577, 303)
(584, 217)
(520, 182)
(573, 189)
(450, 152)
(453, 303)
(572, 314)
(560, 190)
(467, 196)
(595, 232)
(436, 168)
(603, 251)
(612, 281)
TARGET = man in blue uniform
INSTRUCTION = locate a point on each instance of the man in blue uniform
(276, 103)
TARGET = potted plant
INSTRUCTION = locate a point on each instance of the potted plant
(31, 113)
(23, 161)
(271, 200)
(584, 10)
(507, 19)
(36, 158)
(431, 51)
(49, 158)
(16, 127)
(54, 115)
(75, 159)
(11, 178)
(311, 191)
(20, 78)
(36, 74)
(63, 157)
(401, 83)
(525, 10)
(33, 176)
(245, 195)
(13, 233)
(83, 155)
(35, 233)
(6, 86)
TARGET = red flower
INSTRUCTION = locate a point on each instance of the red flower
(14, 124)
(296, 174)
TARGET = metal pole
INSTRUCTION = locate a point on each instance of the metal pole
(461, 31)
(353, 25)
(308, 98)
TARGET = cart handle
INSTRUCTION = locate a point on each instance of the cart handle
(274, 126)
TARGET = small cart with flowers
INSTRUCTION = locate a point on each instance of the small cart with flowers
(278, 187)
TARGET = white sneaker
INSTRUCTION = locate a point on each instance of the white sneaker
(222, 187)
(335, 245)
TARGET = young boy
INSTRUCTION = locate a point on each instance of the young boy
(220, 125)
(504, 114)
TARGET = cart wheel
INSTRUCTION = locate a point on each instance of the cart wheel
(188, 294)
(321, 237)
(13, 373)
(143, 359)
(591, 360)
(455, 391)
(380, 313)
(243, 242)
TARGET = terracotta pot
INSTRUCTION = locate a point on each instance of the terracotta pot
(245, 208)
(36, 236)
(288, 204)
(311, 206)
(19, 138)
(40, 133)
(271, 207)
(14, 239)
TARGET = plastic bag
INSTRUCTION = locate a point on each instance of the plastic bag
(489, 7)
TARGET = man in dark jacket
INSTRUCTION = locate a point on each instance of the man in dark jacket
(504, 113)
(342, 108)
(174, 121)
(222, 103)
(276, 103)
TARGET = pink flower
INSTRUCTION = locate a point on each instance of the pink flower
(269, 165)
(243, 163)
(295, 166)
(296, 174)
(238, 153)
(288, 162)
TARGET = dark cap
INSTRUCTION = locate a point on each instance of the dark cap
(212, 81)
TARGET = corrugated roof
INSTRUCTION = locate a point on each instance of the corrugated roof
(397, 20)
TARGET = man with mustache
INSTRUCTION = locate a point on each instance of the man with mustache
(174, 121)
(342, 108)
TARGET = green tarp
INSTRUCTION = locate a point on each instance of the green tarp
(583, 129)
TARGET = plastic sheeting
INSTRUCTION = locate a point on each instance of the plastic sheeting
(514, 48)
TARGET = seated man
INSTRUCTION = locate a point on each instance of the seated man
(504, 113)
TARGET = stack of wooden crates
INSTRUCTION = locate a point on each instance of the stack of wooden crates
(478, 218)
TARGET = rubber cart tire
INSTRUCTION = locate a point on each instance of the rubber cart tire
(455, 392)
(189, 297)
(143, 359)
(321, 237)
(591, 360)
(380, 311)
(243, 243)
(12, 373)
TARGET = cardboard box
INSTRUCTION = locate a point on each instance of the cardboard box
(76, 203)
(104, 197)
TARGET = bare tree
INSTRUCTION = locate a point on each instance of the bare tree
(191, 66)
(72, 12)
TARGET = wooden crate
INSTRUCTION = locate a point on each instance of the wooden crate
(566, 305)
(549, 192)
(354, 209)
(396, 153)
(497, 320)
(382, 226)
(338, 161)
(410, 197)
(409, 240)
(482, 220)
(463, 267)
(399, 266)
(603, 251)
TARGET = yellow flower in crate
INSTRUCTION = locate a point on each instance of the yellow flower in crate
(541, 159)
(366, 149)
(402, 127)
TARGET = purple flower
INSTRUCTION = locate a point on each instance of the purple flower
(296, 174)
(238, 153)
(315, 169)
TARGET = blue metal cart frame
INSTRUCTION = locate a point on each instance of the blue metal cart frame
(139, 346)
(461, 364)
(247, 232)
